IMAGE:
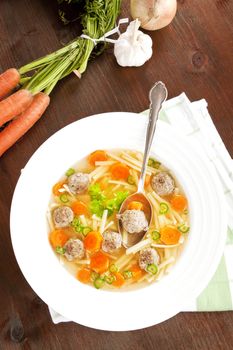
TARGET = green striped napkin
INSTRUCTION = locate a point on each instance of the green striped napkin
(195, 122)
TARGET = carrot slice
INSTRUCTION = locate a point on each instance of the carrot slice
(137, 272)
(147, 180)
(134, 205)
(119, 171)
(79, 208)
(84, 275)
(169, 235)
(57, 187)
(19, 126)
(99, 262)
(97, 156)
(104, 183)
(58, 238)
(179, 202)
(119, 281)
(8, 81)
(92, 241)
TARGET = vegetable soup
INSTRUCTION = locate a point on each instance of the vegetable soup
(83, 219)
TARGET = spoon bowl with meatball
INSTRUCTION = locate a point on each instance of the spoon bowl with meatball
(133, 222)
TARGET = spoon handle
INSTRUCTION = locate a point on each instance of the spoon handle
(158, 94)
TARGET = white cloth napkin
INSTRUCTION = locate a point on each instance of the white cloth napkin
(195, 122)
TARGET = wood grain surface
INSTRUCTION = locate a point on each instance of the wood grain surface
(194, 54)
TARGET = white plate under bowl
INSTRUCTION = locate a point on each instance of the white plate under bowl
(117, 311)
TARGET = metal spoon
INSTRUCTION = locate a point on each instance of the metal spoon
(157, 95)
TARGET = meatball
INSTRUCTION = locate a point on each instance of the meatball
(163, 184)
(78, 182)
(63, 216)
(148, 256)
(134, 221)
(74, 249)
(111, 241)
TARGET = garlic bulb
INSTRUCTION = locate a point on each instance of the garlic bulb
(153, 14)
(133, 48)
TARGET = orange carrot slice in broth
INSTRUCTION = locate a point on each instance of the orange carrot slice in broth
(92, 241)
(80, 208)
(57, 187)
(137, 272)
(170, 235)
(119, 171)
(97, 156)
(179, 202)
(84, 275)
(58, 238)
(147, 180)
(99, 262)
(134, 205)
(119, 281)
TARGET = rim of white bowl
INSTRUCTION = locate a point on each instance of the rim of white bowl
(53, 283)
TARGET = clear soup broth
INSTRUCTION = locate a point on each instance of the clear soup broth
(83, 220)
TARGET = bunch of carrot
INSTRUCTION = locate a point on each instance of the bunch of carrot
(21, 107)
(38, 78)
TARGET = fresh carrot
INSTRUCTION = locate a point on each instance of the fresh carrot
(99, 262)
(179, 202)
(134, 205)
(80, 208)
(14, 105)
(18, 127)
(92, 241)
(137, 272)
(58, 238)
(97, 156)
(57, 187)
(119, 281)
(84, 275)
(119, 171)
(8, 81)
(169, 235)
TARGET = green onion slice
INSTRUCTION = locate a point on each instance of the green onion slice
(152, 268)
(113, 268)
(98, 282)
(163, 208)
(183, 228)
(94, 275)
(127, 274)
(76, 224)
(86, 230)
(155, 235)
(157, 164)
(60, 250)
(70, 172)
(131, 180)
(153, 163)
(63, 198)
(109, 279)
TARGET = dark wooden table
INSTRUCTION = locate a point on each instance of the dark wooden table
(194, 54)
